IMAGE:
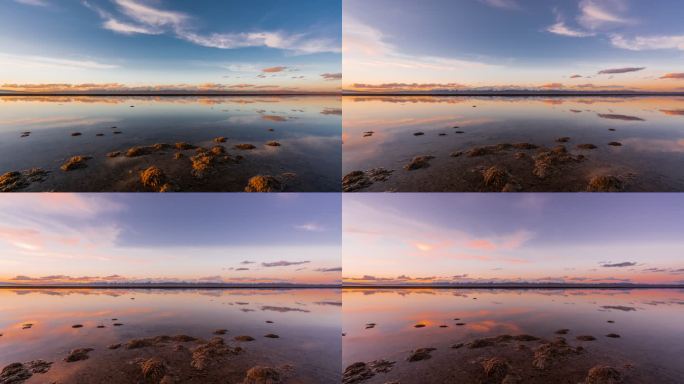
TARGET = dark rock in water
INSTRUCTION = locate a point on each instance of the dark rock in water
(563, 139)
(459, 132)
(78, 355)
(117, 132)
(220, 332)
(114, 154)
(244, 146)
(182, 146)
(495, 368)
(272, 336)
(456, 154)
(610, 321)
(75, 162)
(457, 346)
(117, 324)
(273, 143)
(244, 338)
(77, 326)
(585, 338)
(611, 129)
(13, 181)
(420, 354)
(615, 144)
(418, 162)
(370, 325)
(442, 134)
(460, 324)
(25, 134)
(359, 179)
(263, 183)
(525, 146)
(606, 183)
(419, 326)
(26, 326)
(263, 375)
(99, 134)
(613, 335)
(444, 326)
(603, 374)
(76, 134)
(269, 322)
(368, 134)
(562, 331)
(114, 346)
(586, 146)
(418, 134)
(220, 139)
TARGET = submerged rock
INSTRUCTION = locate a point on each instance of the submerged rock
(419, 326)
(13, 181)
(585, 338)
(244, 338)
(607, 183)
(615, 143)
(220, 332)
(357, 373)
(211, 352)
(182, 146)
(603, 374)
(420, 354)
(220, 139)
(563, 331)
(418, 134)
(495, 368)
(78, 355)
(418, 162)
(586, 146)
(613, 335)
(272, 336)
(551, 352)
(563, 139)
(263, 375)
(273, 143)
(264, 183)
(244, 146)
(75, 162)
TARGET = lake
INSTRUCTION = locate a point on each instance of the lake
(550, 144)
(646, 328)
(293, 140)
(303, 328)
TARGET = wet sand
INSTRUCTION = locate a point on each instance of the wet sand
(102, 144)
(441, 144)
(163, 336)
(518, 336)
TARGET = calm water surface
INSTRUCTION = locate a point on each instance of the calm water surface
(307, 321)
(650, 323)
(307, 128)
(649, 129)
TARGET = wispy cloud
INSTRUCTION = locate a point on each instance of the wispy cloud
(35, 3)
(274, 69)
(331, 76)
(43, 62)
(283, 263)
(310, 227)
(335, 269)
(137, 17)
(597, 14)
(672, 76)
(561, 28)
(644, 43)
(504, 4)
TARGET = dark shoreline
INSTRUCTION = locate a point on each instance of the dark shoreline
(169, 94)
(284, 287)
(517, 94)
(557, 286)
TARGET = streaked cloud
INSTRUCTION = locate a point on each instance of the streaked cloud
(672, 76)
(331, 76)
(44, 62)
(310, 227)
(595, 14)
(283, 263)
(35, 3)
(334, 269)
(619, 265)
(274, 69)
(612, 71)
(504, 4)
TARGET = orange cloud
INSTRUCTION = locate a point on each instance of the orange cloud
(673, 76)
(274, 69)
(481, 244)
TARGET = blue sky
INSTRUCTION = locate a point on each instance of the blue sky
(183, 237)
(501, 237)
(515, 43)
(139, 43)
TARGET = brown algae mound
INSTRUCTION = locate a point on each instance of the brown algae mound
(114, 154)
(492, 149)
(182, 146)
(244, 338)
(495, 369)
(263, 375)
(12, 181)
(78, 355)
(154, 178)
(264, 183)
(603, 374)
(586, 146)
(496, 177)
(273, 143)
(209, 353)
(361, 371)
(585, 338)
(272, 336)
(563, 139)
(420, 354)
(605, 183)
(549, 162)
(75, 162)
(244, 146)
(220, 139)
(17, 373)
(418, 162)
(356, 180)
(153, 369)
(220, 332)
(550, 352)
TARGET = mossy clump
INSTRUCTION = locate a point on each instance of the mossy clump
(263, 183)
(153, 369)
(606, 183)
(586, 146)
(273, 143)
(220, 139)
(263, 375)
(418, 162)
(183, 146)
(153, 178)
(75, 162)
(245, 146)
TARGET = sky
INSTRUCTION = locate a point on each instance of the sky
(152, 45)
(461, 237)
(52, 238)
(580, 45)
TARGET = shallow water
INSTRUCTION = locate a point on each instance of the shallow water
(650, 323)
(307, 127)
(650, 129)
(307, 321)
